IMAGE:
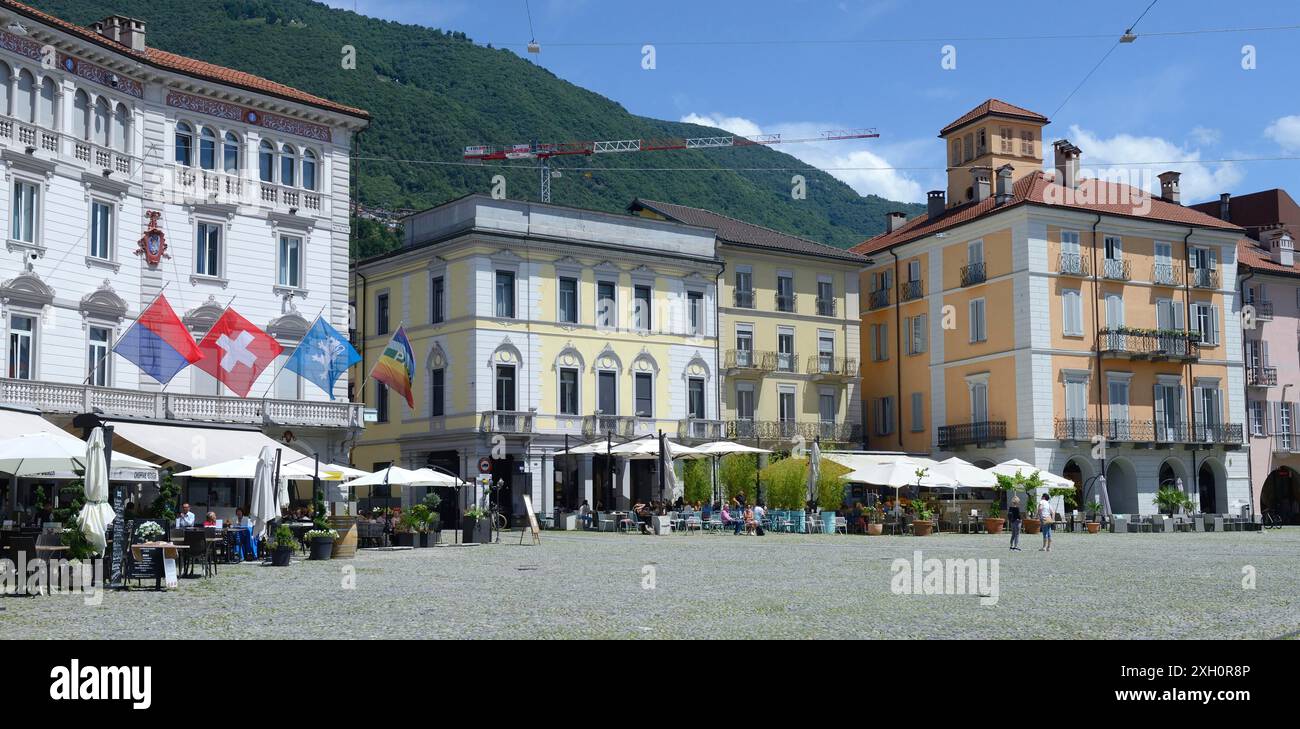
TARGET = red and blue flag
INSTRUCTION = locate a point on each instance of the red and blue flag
(159, 343)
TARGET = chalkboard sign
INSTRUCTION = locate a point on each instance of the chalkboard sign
(116, 571)
(148, 566)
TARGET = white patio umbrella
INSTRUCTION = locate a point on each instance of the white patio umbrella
(593, 448)
(265, 504)
(720, 448)
(32, 454)
(1014, 466)
(648, 449)
(398, 476)
(96, 514)
(899, 471)
(814, 470)
(966, 473)
(246, 467)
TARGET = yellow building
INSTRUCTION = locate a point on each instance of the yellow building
(534, 326)
(1085, 326)
(788, 323)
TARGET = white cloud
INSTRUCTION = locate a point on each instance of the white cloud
(1205, 135)
(867, 171)
(1286, 132)
(1120, 158)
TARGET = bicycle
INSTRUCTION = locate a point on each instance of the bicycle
(1270, 520)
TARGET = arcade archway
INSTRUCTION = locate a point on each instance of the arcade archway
(1281, 495)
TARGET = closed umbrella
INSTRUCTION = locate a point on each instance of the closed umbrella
(814, 470)
(96, 514)
(265, 503)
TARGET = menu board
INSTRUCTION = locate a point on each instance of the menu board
(115, 573)
(147, 566)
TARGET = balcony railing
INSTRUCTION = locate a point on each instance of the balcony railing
(1167, 274)
(1117, 269)
(761, 430)
(878, 299)
(911, 290)
(748, 359)
(93, 155)
(594, 425)
(1263, 310)
(973, 273)
(1218, 433)
(693, 429)
(744, 298)
(787, 362)
(826, 307)
(1074, 264)
(1261, 376)
(506, 421)
(1114, 431)
(53, 397)
(827, 367)
(1157, 345)
(1205, 278)
(785, 302)
(987, 432)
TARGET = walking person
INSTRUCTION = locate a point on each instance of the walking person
(1013, 516)
(1045, 516)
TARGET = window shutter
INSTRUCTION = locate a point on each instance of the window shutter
(1179, 324)
(907, 334)
(1214, 323)
(1263, 347)
(884, 341)
(921, 331)
(1214, 256)
(872, 342)
(1160, 411)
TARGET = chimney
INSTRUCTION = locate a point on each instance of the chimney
(1004, 184)
(979, 183)
(894, 221)
(1225, 214)
(1282, 248)
(1169, 186)
(934, 204)
(127, 31)
(1067, 163)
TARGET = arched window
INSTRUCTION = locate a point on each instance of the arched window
(184, 144)
(309, 169)
(121, 128)
(80, 115)
(230, 153)
(25, 100)
(266, 161)
(288, 166)
(5, 73)
(102, 122)
(45, 104)
(207, 149)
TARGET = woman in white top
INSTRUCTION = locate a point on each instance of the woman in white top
(1045, 516)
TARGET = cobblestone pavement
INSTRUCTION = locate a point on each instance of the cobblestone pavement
(778, 586)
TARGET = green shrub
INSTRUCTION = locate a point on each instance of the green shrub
(785, 484)
(697, 481)
(736, 472)
(284, 538)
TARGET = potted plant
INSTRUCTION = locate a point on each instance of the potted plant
(282, 546)
(921, 524)
(1030, 521)
(475, 527)
(147, 531)
(430, 523)
(1093, 516)
(875, 520)
(994, 522)
(322, 542)
(1170, 498)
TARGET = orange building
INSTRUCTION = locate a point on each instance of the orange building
(1082, 325)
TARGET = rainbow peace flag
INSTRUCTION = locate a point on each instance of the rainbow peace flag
(396, 366)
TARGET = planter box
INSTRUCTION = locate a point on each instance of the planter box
(1032, 526)
(280, 556)
(828, 522)
(993, 525)
(476, 531)
(321, 548)
(427, 539)
(875, 530)
(922, 528)
(403, 539)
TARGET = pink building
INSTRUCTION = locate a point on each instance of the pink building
(1269, 286)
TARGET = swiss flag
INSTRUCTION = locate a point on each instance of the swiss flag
(235, 352)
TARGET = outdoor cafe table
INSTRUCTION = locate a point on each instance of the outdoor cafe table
(243, 542)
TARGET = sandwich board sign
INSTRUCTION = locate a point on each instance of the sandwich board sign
(533, 527)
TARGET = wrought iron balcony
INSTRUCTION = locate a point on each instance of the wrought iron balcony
(878, 299)
(1261, 376)
(973, 273)
(829, 368)
(829, 432)
(1205, 278)
(54, 397)
(826, 307)
(985, 433)
(744, 298)
(1074, 264)
(1229, 434)
(596, 425)
(773, 430)
(506, 421)
(786, 302)
(1263, 310)
(787, 362)
(1114, 431)
(1117, 269)
(747, 360)
(911, 290)
(1173, 432)
(1167, 274)
(1146, 344)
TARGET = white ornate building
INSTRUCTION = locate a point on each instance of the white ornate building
(249, 180)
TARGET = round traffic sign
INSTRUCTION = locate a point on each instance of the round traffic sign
(485, 465)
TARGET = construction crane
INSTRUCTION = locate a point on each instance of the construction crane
(544, 152)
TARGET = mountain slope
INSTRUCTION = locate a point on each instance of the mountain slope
(431, 93)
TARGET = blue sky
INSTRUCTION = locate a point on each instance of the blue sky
(1184, 101)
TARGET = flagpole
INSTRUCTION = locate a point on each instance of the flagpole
(224, 309)
(290, 356)
(118, 341)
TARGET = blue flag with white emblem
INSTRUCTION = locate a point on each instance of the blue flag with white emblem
(322, 356)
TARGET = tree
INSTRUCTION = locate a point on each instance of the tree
(736, 472)
(697, 481)
(164, 506)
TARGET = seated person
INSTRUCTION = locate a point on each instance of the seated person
(584, 514)
(185, 519)
(686, 511)
(750, 524)
(706, 513)
(241, 519)
(644, 514)
(211, 520)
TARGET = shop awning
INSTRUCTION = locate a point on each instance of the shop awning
(125, 467)
(196, 446)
